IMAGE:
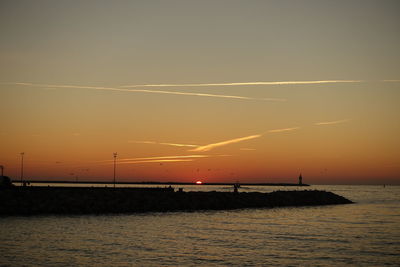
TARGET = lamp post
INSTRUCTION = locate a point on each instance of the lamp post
(22, 166)
(115, 161)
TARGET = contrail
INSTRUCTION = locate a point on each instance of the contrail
(211, 146)
(240, 83)
(331, 122)
(166, 144)
(161, 158)
(237, 140)
(155, 161)
(224, 143)
(167, 157)
(283, 130)
(148, 91)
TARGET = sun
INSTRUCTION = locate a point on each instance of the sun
(199, 182)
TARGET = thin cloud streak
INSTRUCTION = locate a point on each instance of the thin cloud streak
(155, 161)
(166, 144)
(143, 142)
(241, 83)
(224, 143)
(211, 146)
(283, 130)
(332, 122)
(167, 157)
(161, 158)
(148, 91)
(158, 158)
(240, 139)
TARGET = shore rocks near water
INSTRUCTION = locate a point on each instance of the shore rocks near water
(95, 200)
(5, 182)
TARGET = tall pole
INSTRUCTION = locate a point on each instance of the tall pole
(22, 166)
(115, 161)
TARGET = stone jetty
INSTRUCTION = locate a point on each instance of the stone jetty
(35, 200)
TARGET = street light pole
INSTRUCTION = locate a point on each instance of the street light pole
(115, 161)
(22, 166)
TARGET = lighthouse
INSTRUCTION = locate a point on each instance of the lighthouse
(300, 180)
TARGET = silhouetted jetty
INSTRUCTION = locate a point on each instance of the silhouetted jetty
(155, 183)
(95, 200)
(5, 181)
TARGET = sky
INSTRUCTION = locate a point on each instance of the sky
(218, 91)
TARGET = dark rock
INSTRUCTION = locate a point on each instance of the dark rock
(5, 182)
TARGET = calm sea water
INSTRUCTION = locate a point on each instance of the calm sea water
(363, 234)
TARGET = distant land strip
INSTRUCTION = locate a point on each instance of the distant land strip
(156, 183)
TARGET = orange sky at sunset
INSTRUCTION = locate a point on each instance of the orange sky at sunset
(217, 91)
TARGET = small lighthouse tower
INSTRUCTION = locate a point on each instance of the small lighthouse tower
(300, 180)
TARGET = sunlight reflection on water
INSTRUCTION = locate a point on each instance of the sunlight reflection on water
(366, 234)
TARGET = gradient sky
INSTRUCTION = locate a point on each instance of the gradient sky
(249, 91)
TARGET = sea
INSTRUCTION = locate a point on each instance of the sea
(366, 233)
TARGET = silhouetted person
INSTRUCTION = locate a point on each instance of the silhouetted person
(300, 180)
(236, 187)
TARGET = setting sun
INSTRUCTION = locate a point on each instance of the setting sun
(199, 182)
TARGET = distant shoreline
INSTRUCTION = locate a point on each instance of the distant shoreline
(158, 183)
